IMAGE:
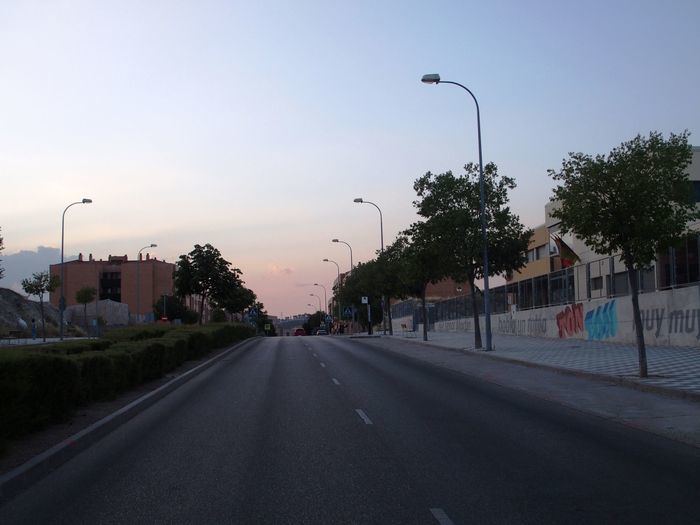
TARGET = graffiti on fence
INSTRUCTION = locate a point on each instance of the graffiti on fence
(535, 325)
(601, 323)
(570, 320)
(679, 321)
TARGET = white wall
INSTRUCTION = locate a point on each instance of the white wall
(669, 317)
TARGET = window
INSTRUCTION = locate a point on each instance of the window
(541, 252)
(596, 283)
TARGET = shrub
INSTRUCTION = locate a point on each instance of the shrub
(36, 389)
(97, 377)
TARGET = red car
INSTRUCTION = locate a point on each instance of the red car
(299, 331)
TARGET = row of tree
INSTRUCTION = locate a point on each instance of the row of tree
(635, 201)
(446, 243)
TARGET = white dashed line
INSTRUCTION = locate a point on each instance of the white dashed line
(315, 354)
(323, 365)
(441, 517)
(363, 416)
(336, 382)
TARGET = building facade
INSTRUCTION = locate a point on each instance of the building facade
(118, 279)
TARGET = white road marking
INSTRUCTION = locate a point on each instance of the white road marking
(323, 365)
(364, 416)
(441, 517)
(336, 381)
(315, 355)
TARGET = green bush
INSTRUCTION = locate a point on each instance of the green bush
(39, 387)
(36, 389)
(97, 376)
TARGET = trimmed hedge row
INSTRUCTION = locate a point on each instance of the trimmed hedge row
(41, 388)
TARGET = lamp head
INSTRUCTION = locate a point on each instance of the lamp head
(154, 246)
(431, 78)
(87, 201)
(335, 240)
(359, 199)
(325, 260)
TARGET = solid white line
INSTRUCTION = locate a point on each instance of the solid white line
(323, 365)
(336, 381)
(364, 416)
(442, 517)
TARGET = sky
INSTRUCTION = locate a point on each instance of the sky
(253, 125)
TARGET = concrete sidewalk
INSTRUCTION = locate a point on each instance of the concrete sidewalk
(676, 369)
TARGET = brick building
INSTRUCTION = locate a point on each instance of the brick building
(116, 279)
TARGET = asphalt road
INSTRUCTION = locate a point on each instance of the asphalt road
(330, 430)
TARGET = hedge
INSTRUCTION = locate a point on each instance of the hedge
(37, 388)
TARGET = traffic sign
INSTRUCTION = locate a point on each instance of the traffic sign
(364, 300)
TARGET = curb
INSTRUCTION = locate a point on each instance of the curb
(622, 381)
(21, 478)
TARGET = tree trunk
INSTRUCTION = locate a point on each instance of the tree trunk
(87, 332)
(425, 314)
(638, 328)
(475, 314)
(391, 324)
(201, 310)
(41, 309)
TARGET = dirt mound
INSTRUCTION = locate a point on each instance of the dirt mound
(14, 306)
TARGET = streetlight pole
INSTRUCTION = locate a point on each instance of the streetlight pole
(62, 300)
(348, 245)
(338, 268)
(381, 237)
(325, 296)
(435, 79)
(320, 309)
(138, 280)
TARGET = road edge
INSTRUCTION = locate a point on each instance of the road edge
(24, 476)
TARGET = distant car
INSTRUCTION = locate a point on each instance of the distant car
(299, 331)
(321, 332)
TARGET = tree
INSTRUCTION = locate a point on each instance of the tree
(365, 280)
(261, 319)
(451, 206)
(84, 296)
(204, 272)
(416, 260)
(173, 308)
(38, 285)
(635, 201)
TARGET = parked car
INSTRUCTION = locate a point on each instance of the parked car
(321, 332)
(299, 331)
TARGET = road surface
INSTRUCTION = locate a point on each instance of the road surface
(330, 430)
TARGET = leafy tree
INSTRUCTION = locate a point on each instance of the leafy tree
(38, 285)
(261, 318)
(174, 309)
(364, 281)
(636, 201)
(313, 322)
(415, 259)
(84, 296)
(451, 205)
(204, 272)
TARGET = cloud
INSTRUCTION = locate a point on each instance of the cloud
(275, 270)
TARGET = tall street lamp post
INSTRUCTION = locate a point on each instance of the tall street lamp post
(435, 79)
(138, 281)
(385, 300)
(338, 268)
(319, 302)
(62, 300)
(348, 245)
(325, 296)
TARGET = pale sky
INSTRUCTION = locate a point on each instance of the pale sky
(253, 125)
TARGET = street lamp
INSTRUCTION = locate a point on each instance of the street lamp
(138, 280)
(325, 296)
(62, 300)
(338, 268)
(381, 220)
(319, 301)
(381, 236)
(434, 78)
(348, 245)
